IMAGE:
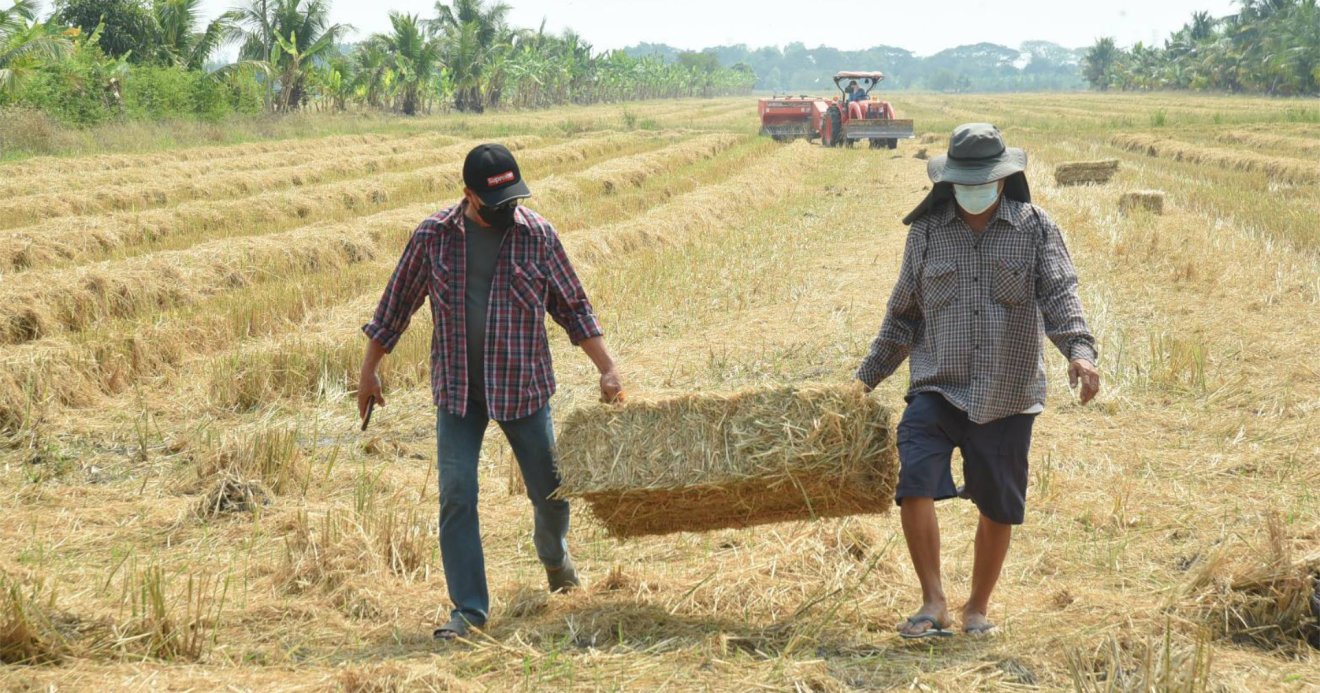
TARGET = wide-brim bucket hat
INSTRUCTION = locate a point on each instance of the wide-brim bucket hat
(977, 155)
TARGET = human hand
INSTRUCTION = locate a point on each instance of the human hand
(1084, 371)
(369, 390)
(862, 387)
(611, 392)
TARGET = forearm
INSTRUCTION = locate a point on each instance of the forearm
(371, 360)
(599, 353)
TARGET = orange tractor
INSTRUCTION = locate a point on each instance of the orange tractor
(845, 120)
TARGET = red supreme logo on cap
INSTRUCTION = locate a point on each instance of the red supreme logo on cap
(500, 179)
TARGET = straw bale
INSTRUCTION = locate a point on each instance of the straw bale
(1150, 200)
(922, 154)
(711, 461)
(1085, 172)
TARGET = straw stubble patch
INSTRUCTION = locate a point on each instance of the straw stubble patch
(709, 461)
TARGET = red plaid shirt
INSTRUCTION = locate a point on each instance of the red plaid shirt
(532, 277)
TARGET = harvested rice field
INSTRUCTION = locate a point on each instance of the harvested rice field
(189, 504)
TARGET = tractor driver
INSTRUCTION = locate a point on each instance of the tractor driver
(855, 92)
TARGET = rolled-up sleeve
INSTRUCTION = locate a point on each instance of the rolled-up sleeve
(1056, 294)
(566, 300)
(405, 292)
(902, 323)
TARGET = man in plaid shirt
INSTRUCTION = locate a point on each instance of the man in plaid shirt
(984, 274)
(492, 270)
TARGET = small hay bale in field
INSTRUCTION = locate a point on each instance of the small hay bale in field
(713, 461)
(233, 495)
(1085, 172)
(1150, 200)
(921, 154)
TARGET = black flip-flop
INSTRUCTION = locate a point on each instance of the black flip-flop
(936, 629)
(457, 629)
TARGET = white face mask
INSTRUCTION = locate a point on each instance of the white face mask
(975, 199)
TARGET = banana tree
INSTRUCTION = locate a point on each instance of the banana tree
(25, 44)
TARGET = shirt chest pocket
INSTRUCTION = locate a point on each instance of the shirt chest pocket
(527, 288)
(939, 285)
(1013, 282)
(441, 293)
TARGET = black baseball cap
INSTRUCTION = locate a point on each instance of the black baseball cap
(492, 173)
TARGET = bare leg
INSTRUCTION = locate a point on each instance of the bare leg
(921, 528)
(992, 540)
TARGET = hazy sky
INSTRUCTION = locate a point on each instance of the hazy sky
(921, 26)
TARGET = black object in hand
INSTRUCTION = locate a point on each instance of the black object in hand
(371, 404)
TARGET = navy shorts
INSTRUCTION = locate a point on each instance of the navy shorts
(994, 457)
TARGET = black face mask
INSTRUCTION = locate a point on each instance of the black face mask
(500, 217)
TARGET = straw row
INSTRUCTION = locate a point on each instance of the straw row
(165, 190)
(61, 181)
(79, 239)
(46, 303)
(703, 211)
(78, 166)
(1299, 145)
(1283, 169)
(632, 171)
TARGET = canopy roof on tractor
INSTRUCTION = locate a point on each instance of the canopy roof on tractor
(873, 76)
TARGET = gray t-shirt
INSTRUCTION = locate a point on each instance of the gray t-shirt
(483, 249)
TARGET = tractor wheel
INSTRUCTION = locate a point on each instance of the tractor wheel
(831, 131)
(876, 143)
(892, 143)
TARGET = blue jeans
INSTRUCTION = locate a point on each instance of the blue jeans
(458, 443)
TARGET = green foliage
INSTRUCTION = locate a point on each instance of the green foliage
(1269, 46)
(79, 90)
(180, 42)
(159, 92)
(126, 28)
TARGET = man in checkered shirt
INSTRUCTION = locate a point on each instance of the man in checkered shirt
(984, 273)
(491, 270)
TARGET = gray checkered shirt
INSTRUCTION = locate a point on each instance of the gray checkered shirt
(970, 308)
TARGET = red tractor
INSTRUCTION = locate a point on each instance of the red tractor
(844, 120)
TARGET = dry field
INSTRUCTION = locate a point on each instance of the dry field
(188, 504)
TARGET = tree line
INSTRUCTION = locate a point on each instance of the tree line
(1267, 47)
(1035, 65)
(87, 61)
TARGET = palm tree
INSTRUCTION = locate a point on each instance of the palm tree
(288, 36)
(1099, 61)
(371, 67)
(414, 55)
(471, 29)
(180, 44)
(26, 44)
